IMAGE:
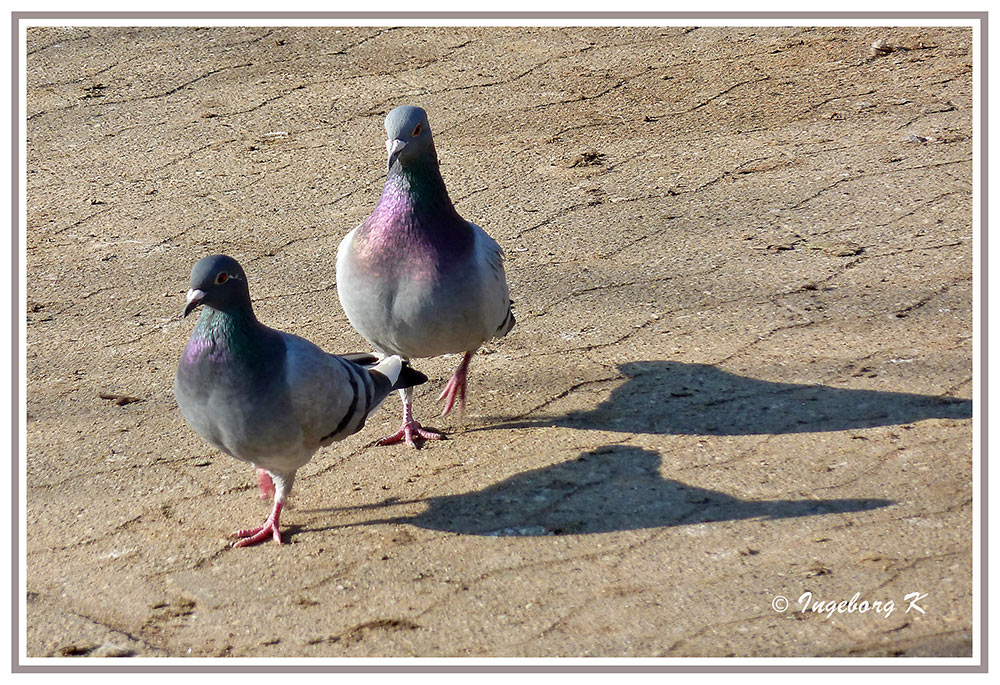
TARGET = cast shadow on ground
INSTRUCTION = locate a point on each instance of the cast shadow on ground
(672, 398)
(607, 489)
(618, 488)
(612, 488)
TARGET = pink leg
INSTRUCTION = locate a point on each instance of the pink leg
(252, 536)
(456, 386)
(409, 428)
(265, 484)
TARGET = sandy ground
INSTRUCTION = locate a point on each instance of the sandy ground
(742, 267)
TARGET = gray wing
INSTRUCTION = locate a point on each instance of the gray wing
(496, 297)
(330, 396)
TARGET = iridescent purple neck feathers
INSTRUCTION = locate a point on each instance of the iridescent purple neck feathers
(415, 221)
(229, 338)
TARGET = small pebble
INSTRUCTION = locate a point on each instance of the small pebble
(880, 47)
(109, 649)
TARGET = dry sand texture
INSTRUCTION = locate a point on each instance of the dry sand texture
(742, 263)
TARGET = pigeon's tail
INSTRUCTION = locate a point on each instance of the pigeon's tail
(408, 377)
(392, 373)
(390, 367)
(371, 381)
(508, 322)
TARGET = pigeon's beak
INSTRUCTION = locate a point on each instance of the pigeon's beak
(394, 147)
(194, 298)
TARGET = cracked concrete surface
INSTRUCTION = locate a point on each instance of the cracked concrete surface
(741, 260)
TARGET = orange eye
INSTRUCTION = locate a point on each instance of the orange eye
(417, 130)
(221, 278)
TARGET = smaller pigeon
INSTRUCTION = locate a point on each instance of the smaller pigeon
(267, 397)
(415, 278)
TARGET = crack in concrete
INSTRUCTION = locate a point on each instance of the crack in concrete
(858, 177)
(105, 623)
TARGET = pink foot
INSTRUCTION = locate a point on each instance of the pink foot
(409, 430)
(456, 386)
(253, 536)
(265, 484)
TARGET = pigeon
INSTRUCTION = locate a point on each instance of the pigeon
(416, 279)
(267, 397)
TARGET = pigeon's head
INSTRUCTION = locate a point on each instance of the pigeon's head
(408, 134)
(217, 281)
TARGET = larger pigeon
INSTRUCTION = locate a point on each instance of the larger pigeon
(415, 278)
(267, 397)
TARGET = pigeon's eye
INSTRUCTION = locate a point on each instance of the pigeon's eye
(221, 278)
(417, 130)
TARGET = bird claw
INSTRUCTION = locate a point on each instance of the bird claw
(253, 536)
(408, 431)
(455, 389)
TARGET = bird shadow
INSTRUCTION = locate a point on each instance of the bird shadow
(611, 488)
(673, 398)
(607, 489)
(619, 487)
